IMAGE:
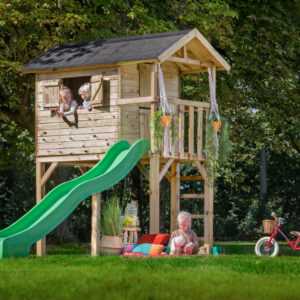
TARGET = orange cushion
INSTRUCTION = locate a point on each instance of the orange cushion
(161, 239)
(156, 250)
(146, 238)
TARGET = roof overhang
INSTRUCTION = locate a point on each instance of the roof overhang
(204, 54)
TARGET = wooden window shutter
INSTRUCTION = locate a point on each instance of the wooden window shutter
(97, 90)
(145, 78)
(106, 92)
(51, 92)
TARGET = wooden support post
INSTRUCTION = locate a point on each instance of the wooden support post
(95, 230)
(175, 194)
(154, 193)
(181, 130)
(185, 52)
(40, 192)
(200, 132)
(208, 212)
(208, 206)
(153, 81)
(153, 106)
(191, 130)
(152, 133)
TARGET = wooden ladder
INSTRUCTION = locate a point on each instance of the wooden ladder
(192, 196)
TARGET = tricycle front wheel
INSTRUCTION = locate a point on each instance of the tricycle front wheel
(264, 247)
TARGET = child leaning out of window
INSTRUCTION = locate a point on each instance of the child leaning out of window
(85, 94)
(67, 106)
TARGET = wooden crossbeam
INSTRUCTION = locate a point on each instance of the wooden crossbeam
(197, 217)
(135, 100)
(201, 169)
(48, 173)
(186, 60)
(191, 178)
(192, 196)
(165, 169)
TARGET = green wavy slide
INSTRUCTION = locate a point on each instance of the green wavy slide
(17, 239)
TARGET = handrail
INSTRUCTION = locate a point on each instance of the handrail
(186, 133)
(188, 141)
(186, 102)
(135, 100)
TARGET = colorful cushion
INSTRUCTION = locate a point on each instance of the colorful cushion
(134, 254)
(142, 248)
(148, 249)
(146, 238)
(156, 249)
(161, 239)
(158, 238)
(128, 247)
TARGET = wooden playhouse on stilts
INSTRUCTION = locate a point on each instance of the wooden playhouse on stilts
(129, 79)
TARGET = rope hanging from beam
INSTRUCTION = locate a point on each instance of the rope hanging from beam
(166, 109)
(214, 110)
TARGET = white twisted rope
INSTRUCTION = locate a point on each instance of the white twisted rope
(212, 90)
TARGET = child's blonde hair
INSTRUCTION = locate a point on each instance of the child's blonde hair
(85, 88)
(63, 90)
(183, 215)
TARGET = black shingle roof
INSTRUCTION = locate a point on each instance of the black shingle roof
(106, 51)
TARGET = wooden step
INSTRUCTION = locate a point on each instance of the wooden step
(191, 178)
(192, 196)
(197, 217)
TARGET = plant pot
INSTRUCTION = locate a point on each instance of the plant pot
(216, 124)
(165, 120)
(111, 245)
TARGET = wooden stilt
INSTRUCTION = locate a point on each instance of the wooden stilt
(154, 193)
(175, 194)
(40, 192)
(208, 212)
(208, 206)
(95, 230)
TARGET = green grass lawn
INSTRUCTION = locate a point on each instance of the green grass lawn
(69, 273)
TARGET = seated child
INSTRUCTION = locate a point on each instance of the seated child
(67, 106)
(85, 94)
(184, 240)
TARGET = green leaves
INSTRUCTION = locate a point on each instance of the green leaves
(111, 223)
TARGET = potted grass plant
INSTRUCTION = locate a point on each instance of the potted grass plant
(165, 120)
(217, 146)
(216, 122)
(111, 227)
(157, 128)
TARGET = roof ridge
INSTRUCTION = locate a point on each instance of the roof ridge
(123, 38)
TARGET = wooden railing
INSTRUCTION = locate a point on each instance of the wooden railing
(187, 140)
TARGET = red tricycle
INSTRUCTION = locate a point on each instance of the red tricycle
(268, 246)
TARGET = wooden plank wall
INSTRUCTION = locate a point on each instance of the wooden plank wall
(97, 130)
(130, 113)
(135, 120)
(172, 80)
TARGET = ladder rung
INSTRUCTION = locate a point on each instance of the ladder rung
(196, 217)
(192, 196)
(191, 178)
